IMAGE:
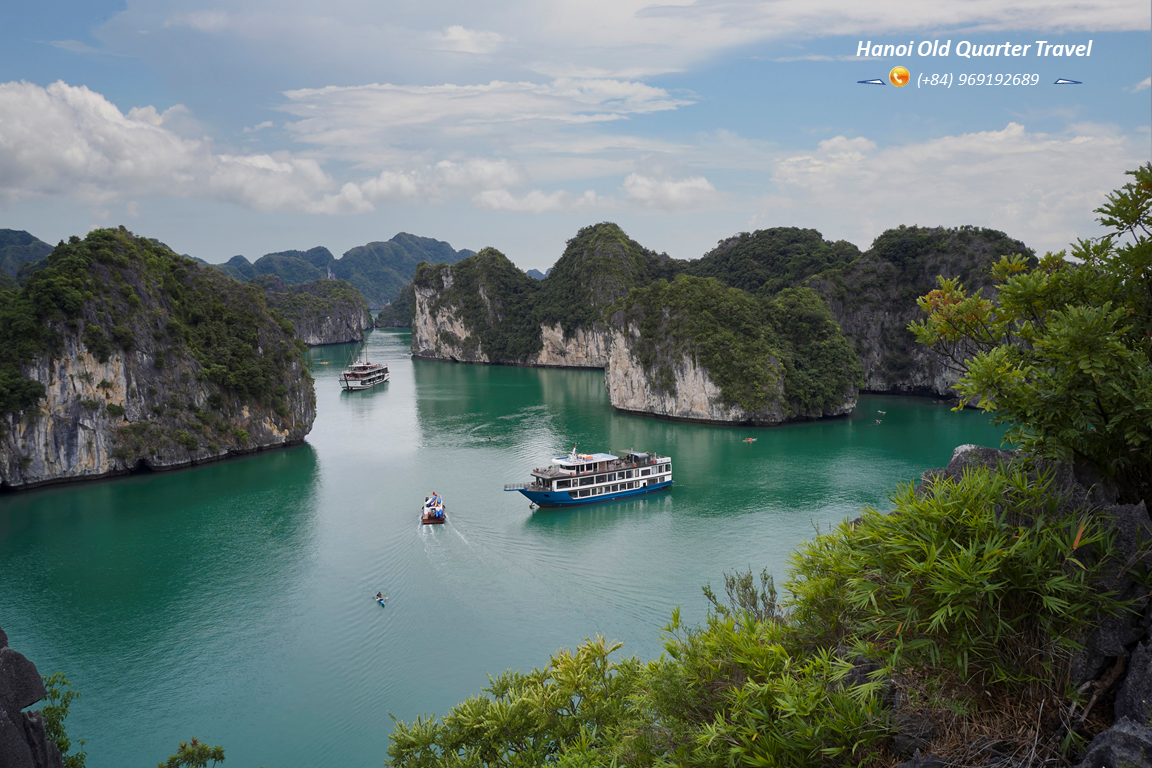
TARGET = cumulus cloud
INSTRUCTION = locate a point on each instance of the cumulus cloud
(1035, 186)
(437, 182)
(457, 38)
(669, 194)
(72, 142)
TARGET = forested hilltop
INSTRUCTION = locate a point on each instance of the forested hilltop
(118, 353)
(378, 270)
(322, 311)
(769, 326)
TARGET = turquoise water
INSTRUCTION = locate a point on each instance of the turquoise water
(233, 602)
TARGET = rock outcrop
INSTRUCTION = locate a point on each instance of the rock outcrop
(691, 394)
(322, 312)
(874, 299)
(23, 743)
(692, 349)
(158, 363)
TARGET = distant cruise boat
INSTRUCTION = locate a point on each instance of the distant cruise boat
(363, 375)
(581, 478)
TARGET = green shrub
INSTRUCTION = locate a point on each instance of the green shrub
(55, 711)
(241, 435)
(96, 342)
(979, 578)
(90, 404)
(186, 440)
(105, 384)
(114, 410)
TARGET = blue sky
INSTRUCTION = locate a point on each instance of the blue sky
(261, 125)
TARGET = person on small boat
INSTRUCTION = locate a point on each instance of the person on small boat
(379, 596)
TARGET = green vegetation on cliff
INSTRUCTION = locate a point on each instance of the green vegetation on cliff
(769, 260)
(758, 351)
(312, 306)
(399, 313)
(599, 266)
(493, 298)
(118, 291)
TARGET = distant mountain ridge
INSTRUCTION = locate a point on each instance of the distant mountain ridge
(18, 248)
(378, 269)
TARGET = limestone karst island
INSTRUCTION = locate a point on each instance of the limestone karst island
(575, 385)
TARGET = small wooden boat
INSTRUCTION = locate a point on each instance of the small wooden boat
(432, 513)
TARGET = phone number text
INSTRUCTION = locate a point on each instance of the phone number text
(976, 78)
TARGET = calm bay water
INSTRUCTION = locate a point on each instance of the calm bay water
(232, 602)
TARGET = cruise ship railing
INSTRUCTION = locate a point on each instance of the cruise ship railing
(515, 486)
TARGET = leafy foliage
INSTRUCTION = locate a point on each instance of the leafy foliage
(768, 260)
(599, 266)
(981, 578)
(55, 711)
(1063, 356)
(193, 754)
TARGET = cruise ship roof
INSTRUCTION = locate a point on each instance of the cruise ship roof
(584, 458)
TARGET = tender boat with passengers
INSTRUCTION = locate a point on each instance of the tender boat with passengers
(586, 478)
(432, 513)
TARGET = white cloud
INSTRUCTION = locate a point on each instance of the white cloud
(582, 38)
(1143, 85)
(75, 46)
(531, 202)
(66, 141)
(258, 127)
(457, 38)
(1038, 187)
(437, 182)
(202, 21)
(669, 194)
(368, 116)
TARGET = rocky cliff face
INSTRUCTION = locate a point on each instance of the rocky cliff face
(322, 312)
(437, 332)
(585, 348)
(164, 365)
(874, 299)
(690, 393)
(23, 742)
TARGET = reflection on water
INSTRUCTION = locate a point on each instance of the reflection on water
(233, 601)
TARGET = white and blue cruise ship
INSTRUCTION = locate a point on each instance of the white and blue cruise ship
(583, 478)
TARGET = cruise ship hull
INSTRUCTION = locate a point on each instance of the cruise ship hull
(564, 499)
(355, 385)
